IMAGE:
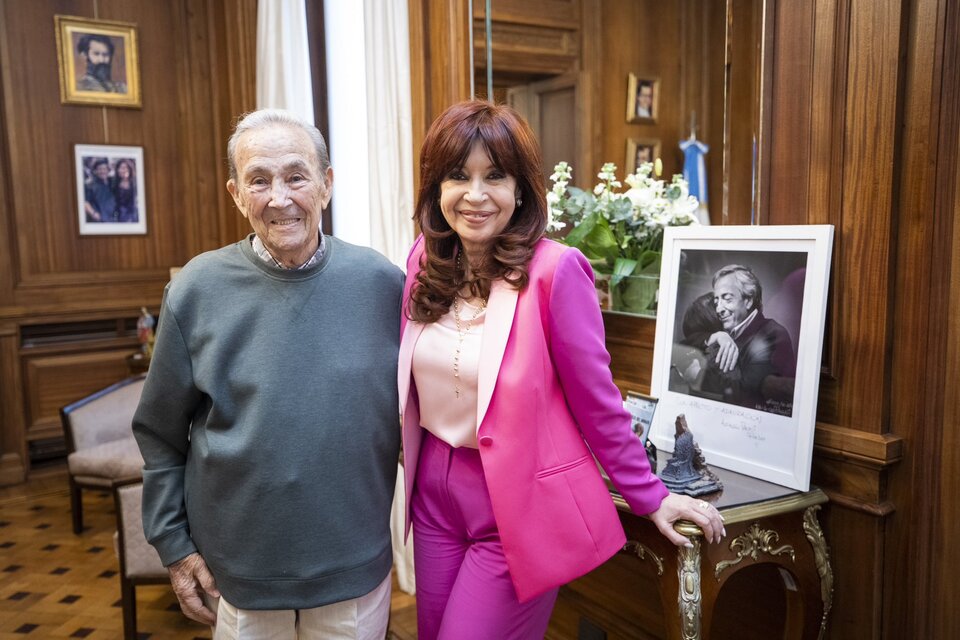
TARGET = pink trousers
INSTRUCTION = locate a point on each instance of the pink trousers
(464, 590)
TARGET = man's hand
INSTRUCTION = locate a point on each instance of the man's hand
(728, 352)
(190, 577)
(703, 514)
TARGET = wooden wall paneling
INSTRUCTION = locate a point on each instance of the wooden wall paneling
(944, 621)
(13, 445)
(703, 27)
(46, 177)
(741, 111)
(826, 168)
(644, 38)
(521, 50)
(549, 13)
(440, 53)
(8, 243)
(53, 381)
(785, 199)
(591, 57)
(869, 154)
(630, 343)
(233, 36)
(196, 59)
(855, 614)
(925, 486)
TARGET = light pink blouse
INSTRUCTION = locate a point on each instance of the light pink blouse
(443, 413)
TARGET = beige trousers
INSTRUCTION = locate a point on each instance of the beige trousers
(363, 618)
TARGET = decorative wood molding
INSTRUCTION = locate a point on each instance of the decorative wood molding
(527, 49)
(883, 449)
(879, 510)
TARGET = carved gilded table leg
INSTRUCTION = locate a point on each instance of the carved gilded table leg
(821, 556)
(688, 570)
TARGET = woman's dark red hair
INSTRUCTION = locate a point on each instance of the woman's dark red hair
(513, 149)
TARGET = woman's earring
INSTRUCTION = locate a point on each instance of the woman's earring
(519, 202)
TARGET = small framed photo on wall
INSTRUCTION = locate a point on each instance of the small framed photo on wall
(643, 98)
(98, 62)
(110, 194)
(640, 150)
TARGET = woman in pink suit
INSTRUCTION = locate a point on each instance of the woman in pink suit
(506, 390)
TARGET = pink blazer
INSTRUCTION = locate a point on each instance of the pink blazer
(546, 400)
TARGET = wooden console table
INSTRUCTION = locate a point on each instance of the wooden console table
(765, 523)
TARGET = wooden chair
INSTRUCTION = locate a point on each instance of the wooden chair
(139, 562)
(100, 444)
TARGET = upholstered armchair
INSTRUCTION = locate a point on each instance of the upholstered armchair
(139, 562)
(100, 444)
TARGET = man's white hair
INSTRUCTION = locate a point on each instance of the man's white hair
(267, 117)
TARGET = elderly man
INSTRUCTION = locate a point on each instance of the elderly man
(269, 422)
(99, 201)
(756, 360)
(97, 51)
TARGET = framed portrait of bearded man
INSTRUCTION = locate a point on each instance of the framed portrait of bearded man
(98, 62)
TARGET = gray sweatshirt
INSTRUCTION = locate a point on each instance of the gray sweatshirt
(269, 424)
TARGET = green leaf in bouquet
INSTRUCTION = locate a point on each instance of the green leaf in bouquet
(650, 262)
(621, 268)
(601, 241)
(576, 236)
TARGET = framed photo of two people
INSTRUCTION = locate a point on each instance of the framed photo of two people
(110, 190)
(738, 344)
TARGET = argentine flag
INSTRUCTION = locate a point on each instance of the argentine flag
(695, 173)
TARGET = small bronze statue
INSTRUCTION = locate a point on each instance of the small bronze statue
(686, 471)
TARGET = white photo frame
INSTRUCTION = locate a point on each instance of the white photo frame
(757, 417)
(111, 199)
(642, 408)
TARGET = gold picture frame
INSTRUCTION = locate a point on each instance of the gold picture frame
(640, 150)
(98, 62)
(643, 98)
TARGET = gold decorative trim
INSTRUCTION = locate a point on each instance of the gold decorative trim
(821, 556)
(642, 551)
(689, 600)
(756, 511)
(752, 543)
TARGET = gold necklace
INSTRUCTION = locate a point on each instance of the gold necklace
(462, 332)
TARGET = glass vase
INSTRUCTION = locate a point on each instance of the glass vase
(637, 294)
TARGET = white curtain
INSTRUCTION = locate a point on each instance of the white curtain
(389, 126)
(283, 57)
(390, 161)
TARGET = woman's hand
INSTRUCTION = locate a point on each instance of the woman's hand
(700, 512)
(728, 352)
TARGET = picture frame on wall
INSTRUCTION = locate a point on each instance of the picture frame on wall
(643, 98)
(640, 150)
(111, 199)
(738, 344)
(98, 62)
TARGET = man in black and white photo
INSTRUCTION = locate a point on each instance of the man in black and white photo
(758, 348)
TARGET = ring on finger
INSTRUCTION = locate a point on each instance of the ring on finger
(704, 504)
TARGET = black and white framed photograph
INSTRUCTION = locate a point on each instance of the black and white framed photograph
(110, 193)
(739, 342)
(98, 62)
